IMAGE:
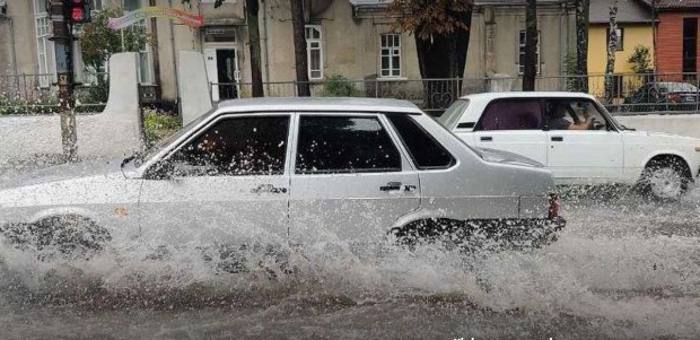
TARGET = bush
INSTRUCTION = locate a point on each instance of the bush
(15, 105)
(641, 60)
(158, 124)
(339, 86)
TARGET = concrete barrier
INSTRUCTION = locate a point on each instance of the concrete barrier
(195, 98)
(680, 124)
(114, 132)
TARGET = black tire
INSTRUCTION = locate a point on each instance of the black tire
(665, 179)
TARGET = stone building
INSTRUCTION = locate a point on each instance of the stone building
(352, 38)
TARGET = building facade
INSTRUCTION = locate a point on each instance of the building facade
(677, 36)
(353, 38)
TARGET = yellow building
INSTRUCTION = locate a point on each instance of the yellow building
(635, 29)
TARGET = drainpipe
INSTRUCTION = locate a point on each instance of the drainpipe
(155, 52)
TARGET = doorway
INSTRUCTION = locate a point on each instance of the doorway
(223, 72)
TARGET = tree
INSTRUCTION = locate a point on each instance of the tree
(441, 29)
(252, 7)
(251, 10)
(98, 42)
(612, 49)
(297, 9)
(530, 72)
(582, 21)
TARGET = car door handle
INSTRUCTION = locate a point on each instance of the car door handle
(391, 186)
(486, 139)
(557, 139)
(268, 188)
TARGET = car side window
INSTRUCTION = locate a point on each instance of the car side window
(574, 114)
(512, 114)
(237, 146)
(425, 151)
(344, 144)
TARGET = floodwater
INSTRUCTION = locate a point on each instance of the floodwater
(624, 268)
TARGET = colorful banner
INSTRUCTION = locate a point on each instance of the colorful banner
(133, 17)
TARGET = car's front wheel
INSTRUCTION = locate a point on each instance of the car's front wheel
(665, 180)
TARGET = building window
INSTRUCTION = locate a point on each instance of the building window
(521, 51)
(620, 32)
(45, 49)
(390, 55)
(314, 51)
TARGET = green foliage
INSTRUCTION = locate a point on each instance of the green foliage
(571, 71)
(98, 42)
(338, 86)
(158, 124)
(641, 60)
(429, 18)
(16, 105)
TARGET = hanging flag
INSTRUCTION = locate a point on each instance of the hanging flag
(133, 17)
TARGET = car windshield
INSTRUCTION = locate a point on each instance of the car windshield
(152, 151)
(453, 113)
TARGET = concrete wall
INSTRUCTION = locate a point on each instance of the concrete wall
(684, 125)
(115, 132)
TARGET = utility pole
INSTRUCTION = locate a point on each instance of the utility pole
(63, 42)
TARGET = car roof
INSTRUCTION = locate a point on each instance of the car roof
(319, 104)
(535, 94)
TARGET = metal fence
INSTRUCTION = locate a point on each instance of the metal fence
(38, 93)
(629, 93)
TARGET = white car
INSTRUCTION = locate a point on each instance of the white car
(285, 170)
(577, 139)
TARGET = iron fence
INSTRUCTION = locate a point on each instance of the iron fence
(628, 93)
(38, 93)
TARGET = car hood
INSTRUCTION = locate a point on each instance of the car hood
(505, 157)
(664, 136)
(63, 172)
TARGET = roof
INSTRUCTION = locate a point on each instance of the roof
(629, 11)
(678, 4)
(501, 95)
(320, 104)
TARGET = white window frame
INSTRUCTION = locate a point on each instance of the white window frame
(522, 37)
(392, 51)
(309, 42)
(46, 63)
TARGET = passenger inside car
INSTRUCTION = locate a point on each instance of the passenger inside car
(560, 118)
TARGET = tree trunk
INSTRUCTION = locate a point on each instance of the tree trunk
(612, 49)
(582, 20)
(300, 48)
(530, 72)
(443, 57)
(252, 7)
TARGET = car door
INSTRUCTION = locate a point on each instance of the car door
(226, 184)
(583, 156)
(350, 182)
(514, 125)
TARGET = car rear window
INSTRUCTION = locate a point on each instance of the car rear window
(425, 151)
(453, 113)
(341, 144)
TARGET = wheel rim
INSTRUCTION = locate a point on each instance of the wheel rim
(666, 183)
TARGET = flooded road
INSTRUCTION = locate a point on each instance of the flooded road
(624, 268)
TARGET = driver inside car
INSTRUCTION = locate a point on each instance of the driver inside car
(558, 119)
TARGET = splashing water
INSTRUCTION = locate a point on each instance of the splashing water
(623, 268)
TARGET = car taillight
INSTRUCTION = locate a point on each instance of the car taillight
(554, 206)
(674, 98)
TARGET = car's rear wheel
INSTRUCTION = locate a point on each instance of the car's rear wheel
(665, 179)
